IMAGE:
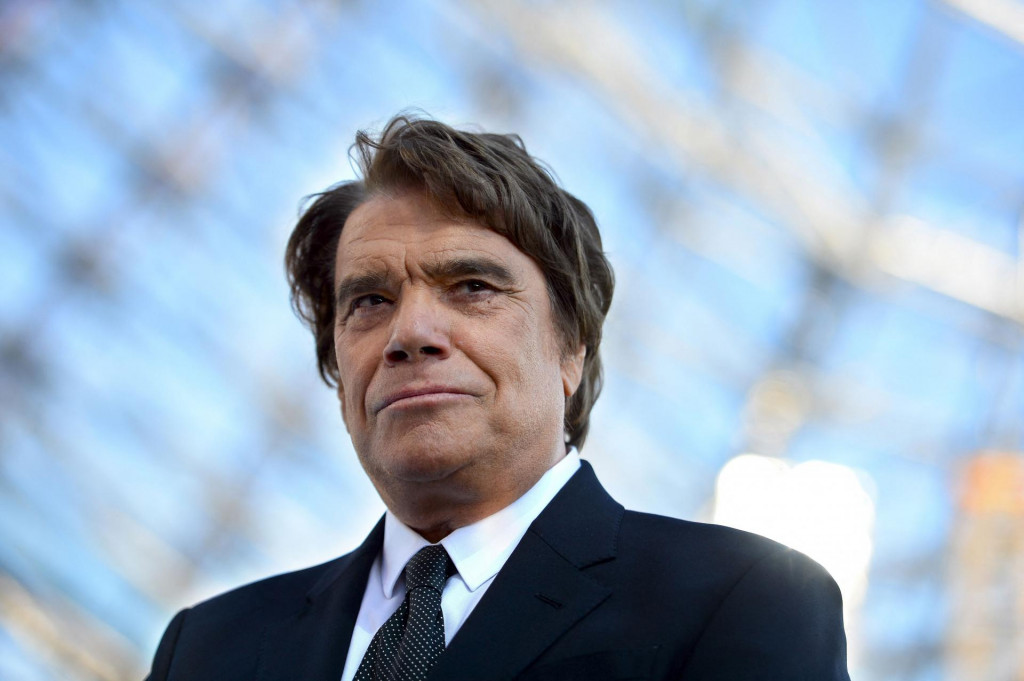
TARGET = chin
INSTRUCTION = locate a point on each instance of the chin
(425, 467)
(417, 462)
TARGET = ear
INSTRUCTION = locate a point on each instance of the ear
(572, 370)
(341, 401)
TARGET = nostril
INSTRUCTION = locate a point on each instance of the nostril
(398, 353)
(397, 356)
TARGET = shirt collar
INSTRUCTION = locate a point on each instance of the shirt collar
(481, 549)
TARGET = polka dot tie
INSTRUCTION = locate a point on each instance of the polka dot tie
(409, 643)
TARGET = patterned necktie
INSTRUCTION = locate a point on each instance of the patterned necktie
(411, 640)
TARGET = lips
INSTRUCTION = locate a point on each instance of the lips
(407, 393)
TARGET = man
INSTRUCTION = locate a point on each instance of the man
(456, 295)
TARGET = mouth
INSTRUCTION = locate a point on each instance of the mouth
(423, 396)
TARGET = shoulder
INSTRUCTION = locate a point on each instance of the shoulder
(241, 613)
(220, 637)
(700, 543)
(717, 561)
(271, 596)
(283, 594)
(682, 561)
(747, 600)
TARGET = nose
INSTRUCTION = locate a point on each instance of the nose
(420, 329)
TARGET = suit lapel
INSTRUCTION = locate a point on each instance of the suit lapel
(312, 644)
(542, 590)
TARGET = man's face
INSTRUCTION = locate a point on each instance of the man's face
(452, 374)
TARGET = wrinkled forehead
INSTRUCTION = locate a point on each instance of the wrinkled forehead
(387, 229)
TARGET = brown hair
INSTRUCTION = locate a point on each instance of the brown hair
(485, 177)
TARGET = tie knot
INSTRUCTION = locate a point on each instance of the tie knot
(431, 567)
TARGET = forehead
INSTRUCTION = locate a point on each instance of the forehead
(387, 230)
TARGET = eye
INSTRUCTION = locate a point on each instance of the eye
(368, 301)
(474, 286)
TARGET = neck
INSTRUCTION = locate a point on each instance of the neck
(435, 509)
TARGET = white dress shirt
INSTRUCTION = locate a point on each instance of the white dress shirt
(478, 551)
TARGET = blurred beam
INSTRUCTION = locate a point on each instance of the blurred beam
(950, 263)
(69, 641)
(1005, 16)
(834, 223)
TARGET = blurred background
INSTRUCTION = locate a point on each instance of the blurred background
(814, 210)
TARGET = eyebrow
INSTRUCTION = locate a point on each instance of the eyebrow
(454, 268)
(458, 268)
(360, 284)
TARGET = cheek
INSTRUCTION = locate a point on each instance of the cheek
(536, 363)
(351, 383)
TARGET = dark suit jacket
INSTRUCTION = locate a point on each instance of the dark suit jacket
(591, 592)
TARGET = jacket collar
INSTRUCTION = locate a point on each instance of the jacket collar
(345, 565)
(312, 643)
(582, 522)
(543, 589)
(540, 593)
